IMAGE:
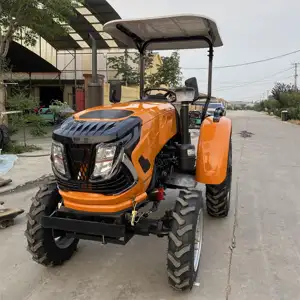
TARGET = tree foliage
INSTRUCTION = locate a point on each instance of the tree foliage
(281, 88)
(271, 105)
(22, 101)
(124, 65)
(259, 106)
(26, 19)
(168, 73)
(284, 97)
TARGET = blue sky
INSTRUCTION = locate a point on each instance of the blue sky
(251, 30)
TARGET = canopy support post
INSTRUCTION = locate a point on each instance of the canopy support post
(209, 83)
(142, 47)
(142, 74)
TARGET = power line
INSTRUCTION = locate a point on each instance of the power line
(247, 98)
(247, 63)
(247, 82)
(262, 80)
(256, 83)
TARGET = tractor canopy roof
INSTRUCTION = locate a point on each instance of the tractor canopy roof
(166, 33)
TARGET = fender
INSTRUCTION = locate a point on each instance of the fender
(212, 153)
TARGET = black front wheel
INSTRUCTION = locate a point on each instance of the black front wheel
(47, 246)
(185, 239)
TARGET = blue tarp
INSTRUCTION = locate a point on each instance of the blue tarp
(7, 162)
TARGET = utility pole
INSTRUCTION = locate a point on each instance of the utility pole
(296, 76)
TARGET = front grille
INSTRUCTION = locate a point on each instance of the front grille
(80, 160)
(116, 185)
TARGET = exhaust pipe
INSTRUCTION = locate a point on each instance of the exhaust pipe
(95, 88)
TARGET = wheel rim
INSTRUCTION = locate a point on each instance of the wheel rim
(198, 239)
(62, 242)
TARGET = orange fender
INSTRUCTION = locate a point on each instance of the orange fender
(213, 147)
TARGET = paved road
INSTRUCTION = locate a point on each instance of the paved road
(263, 225)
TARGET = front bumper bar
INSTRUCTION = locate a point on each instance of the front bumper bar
(89, 227)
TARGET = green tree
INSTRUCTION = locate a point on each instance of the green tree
(125, 65)
(279, 89)
(271, 105)
(168, 73)
(25, 103)
(28, 19)
(259, 106)
(291, 99)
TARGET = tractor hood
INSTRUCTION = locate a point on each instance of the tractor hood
(146, 111)
(109, 123)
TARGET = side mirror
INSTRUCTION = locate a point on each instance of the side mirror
(192, 82)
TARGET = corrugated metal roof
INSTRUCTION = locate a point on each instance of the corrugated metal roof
(89, 19)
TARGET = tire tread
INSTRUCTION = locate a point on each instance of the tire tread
(218, 196)
(38, 238)
(180, 255)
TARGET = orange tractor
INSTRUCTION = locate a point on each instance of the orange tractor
(112, 164)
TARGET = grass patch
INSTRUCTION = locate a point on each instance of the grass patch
(16, 148)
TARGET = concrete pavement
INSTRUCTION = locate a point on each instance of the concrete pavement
(30, 167)
(252, 254)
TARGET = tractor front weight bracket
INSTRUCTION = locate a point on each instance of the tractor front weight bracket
(105, 229)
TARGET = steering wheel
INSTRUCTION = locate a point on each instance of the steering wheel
(168, 93)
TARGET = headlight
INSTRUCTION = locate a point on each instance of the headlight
(58, 158)
(104, 160)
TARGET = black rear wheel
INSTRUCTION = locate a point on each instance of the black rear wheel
(48, 247)
(185, 239)
(218, 195)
